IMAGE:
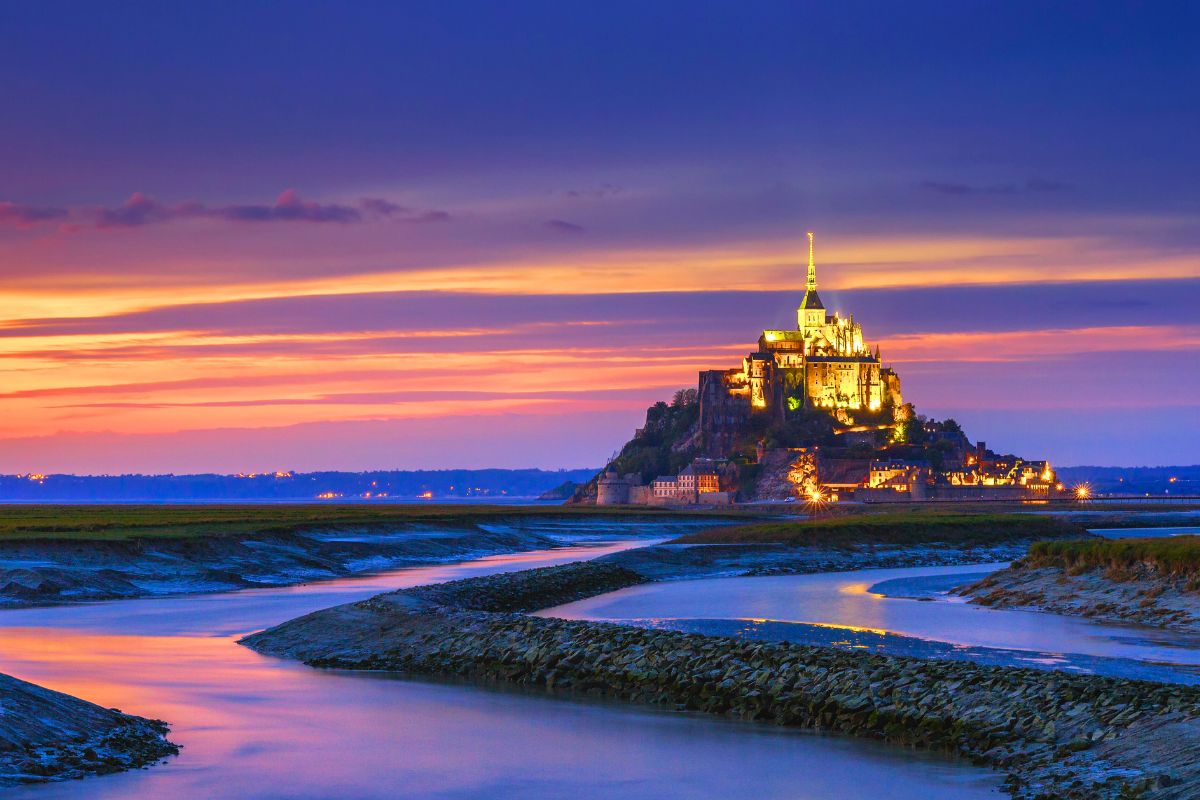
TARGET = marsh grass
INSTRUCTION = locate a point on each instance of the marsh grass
(122, 522)
(1123, 559)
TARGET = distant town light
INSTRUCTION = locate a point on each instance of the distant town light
(1083, 491)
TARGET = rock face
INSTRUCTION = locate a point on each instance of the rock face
(783, 474)
(1056, 735)
(1143, 596)
(46, 736)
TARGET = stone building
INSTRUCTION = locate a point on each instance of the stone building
(824, 363)
(614, 490)
(696, 479)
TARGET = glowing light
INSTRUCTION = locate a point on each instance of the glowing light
(815, 499)
(427, 495)
(1083, 491)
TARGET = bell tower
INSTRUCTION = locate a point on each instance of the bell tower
(811, 313)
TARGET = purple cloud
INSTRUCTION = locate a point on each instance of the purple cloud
(23, 216)
(289, 207)
(141, 209)
(136, 211)
(562, 226)
(595, 193)
(377, 206)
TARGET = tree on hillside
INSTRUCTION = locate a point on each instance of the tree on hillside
(684, 397)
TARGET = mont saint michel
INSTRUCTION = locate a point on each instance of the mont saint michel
(812, 413)
(599, 400)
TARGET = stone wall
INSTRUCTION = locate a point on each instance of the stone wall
(722, 415)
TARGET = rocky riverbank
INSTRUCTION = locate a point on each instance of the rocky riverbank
(678, 561)
(1055, 735)
(45, 571)
(47, 736)
(1143, 595)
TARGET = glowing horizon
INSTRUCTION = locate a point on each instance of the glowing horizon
(443, 259)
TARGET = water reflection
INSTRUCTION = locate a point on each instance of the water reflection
(844, 599)
(254, 727)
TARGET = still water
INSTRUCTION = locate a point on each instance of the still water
(866, 601)
(255, 727)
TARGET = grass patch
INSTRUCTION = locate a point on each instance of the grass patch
(120, 522)
(891, 528)
(1177, 556)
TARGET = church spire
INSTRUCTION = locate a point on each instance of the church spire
(811, 313)
(812, 265)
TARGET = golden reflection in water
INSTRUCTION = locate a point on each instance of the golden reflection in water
(100, 668)
(827, 625)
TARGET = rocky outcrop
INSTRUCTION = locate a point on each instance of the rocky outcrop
(564, 491)
(47, 735)
(784, 474)
(1143, 595)
(1056, 735)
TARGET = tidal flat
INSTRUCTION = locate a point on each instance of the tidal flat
(1053, 734)
(72, 554)
(644, 560)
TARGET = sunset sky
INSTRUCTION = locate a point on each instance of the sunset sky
(302, 235)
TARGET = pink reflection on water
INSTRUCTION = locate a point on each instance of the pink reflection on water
(259, 728)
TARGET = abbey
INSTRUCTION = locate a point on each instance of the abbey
(824, 363)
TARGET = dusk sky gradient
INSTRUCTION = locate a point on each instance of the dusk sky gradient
(306, 235)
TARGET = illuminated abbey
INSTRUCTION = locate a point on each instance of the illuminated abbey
(824, 363)
(811, 412)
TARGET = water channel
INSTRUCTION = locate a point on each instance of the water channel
(259, 728)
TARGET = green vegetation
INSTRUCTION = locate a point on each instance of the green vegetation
(802, 427)
(902, 528)
(661, 448)
(91, 523)
(1177, 556)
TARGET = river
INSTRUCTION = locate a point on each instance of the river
(258, 728)
(899, 611)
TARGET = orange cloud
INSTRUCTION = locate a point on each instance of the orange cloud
(1034, 345)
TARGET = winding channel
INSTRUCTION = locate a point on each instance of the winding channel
(889, 611)
(259, 728)
(255, 727)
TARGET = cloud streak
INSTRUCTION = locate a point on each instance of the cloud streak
(25, 216)
(562, 226)
(1033, 185)
(140, 210)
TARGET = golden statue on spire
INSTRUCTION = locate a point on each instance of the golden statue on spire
(812, 265)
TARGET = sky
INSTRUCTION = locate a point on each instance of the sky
(315, 235)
